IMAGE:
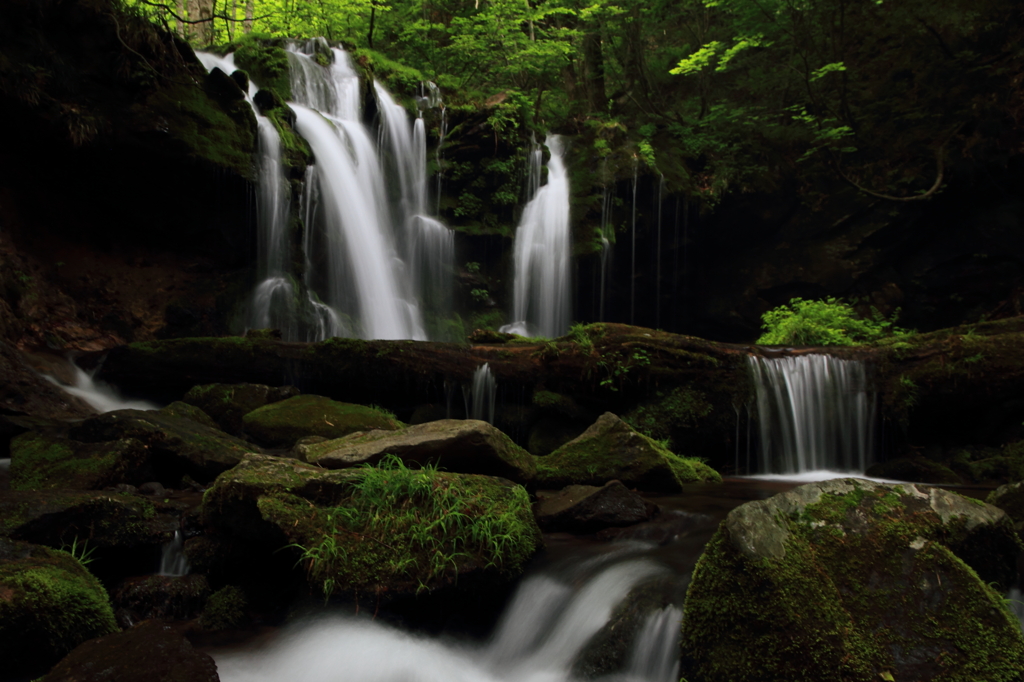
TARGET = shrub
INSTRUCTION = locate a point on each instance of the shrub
(831, 322)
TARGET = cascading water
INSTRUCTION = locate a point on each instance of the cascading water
(544, 629)
(98, 395)
(541, 303)
(172, 560)
(814, 412)
(480, 397)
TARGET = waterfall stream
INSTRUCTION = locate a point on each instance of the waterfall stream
(814, 412)
(480, 396)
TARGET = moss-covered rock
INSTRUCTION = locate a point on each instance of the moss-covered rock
(1010, 498)
(57, 518)
(225, 609)
(610, 449)
(853, 580)
(149, 652)
(282, 423)
(49, 604)
(466, 446)
(184, 410)
(179, 445)
(588, 508)
(387, 531)
(228, 403)
(914, 469)
(159, 596)
(44, 462)
(266, 62)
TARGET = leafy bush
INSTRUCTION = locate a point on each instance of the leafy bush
(831, 322)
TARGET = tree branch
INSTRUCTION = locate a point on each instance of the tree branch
(941, 167)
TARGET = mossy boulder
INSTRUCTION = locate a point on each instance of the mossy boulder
(44, 462)
(180, 445)
(282, 423)
(1010, 498)
(850, 580)
(159, 596)
(228, 403)
(182, 409)
(49, 604)
(150, 652)
(467, 446)
(57, 518)
(387, 531)
(916, 470)
(225, 609)
(589, 508)
(611, 450)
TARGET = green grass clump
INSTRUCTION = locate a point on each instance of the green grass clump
(418, 528)
(831, 322)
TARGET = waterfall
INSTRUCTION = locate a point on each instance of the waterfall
(814, 412)
(173, 561)
(544, 629)
(98, 395)
(480, 397)
(541, 305)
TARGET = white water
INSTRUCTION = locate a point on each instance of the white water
(541, 633)
(480, 397)
(1015, 601)
(99, 395)
(172, 559)
(814, 412)
(541, 289)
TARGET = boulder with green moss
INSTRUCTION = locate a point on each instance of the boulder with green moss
(228, 403)
(182, 409)
(849, 580)
(180, 445)
(49, 604)
(385, 531)
(282, 423)
(59, 518)
(44, 462)
(610, 449)
(164, 597)
(467, 446)
(1010, 498)
(589, 508)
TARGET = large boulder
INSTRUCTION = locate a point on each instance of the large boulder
(49, 604)
(849, 580)
(282, 423)
(228, 403)
(468, 446)
(589, 508)
(43, 462)
(378, 531)
(150, 652)
(163, 597)
(1010, 498)
(180, 445)
(611, 450)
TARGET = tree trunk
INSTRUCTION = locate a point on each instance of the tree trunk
(201, 11)
(250, 11)
(593, 61)
(180, 7)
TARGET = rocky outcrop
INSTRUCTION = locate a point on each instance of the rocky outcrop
(1010, 498)
(374, 531)
(228, 403)
(150, 652)
(179, 445)
(162, 597)
(588, 509)
(611, 450)
(466, 446)
(43, 462)
(49, 604)
(282, 423)
(854, 580)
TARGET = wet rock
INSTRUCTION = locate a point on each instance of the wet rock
(161, 597)
(914, 469)
(149, 652)
(466, 446)
(180, 408)
(383, 532)
(588, 509)
(49, 604)
(282, 423)
(228, 403)
(56, 518)
(225, 609)
(179, 445)
(611, 450)
(44, 462)
(854, 580)
(24, 392)
(1010, 498)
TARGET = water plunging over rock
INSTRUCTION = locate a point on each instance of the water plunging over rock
(172, 559)
(480, 397)
(541, 304)
(814, 412)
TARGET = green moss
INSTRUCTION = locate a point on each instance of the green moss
(284, 422)
(266, 62)
(40, 462)
(49, 604)
(682, 407)
(225, 609)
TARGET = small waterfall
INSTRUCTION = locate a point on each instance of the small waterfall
(541, 304)
(546, 626)
(173, 561)
(632, 257)
(814, 412)
(607, 239)
(480, 397)
(1015, 602)
(99, 395)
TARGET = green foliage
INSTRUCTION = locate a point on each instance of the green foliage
(81, 551)
(831, 322)
(225, 609)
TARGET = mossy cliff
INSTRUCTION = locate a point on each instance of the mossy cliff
(384, 532)
(852, 580)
